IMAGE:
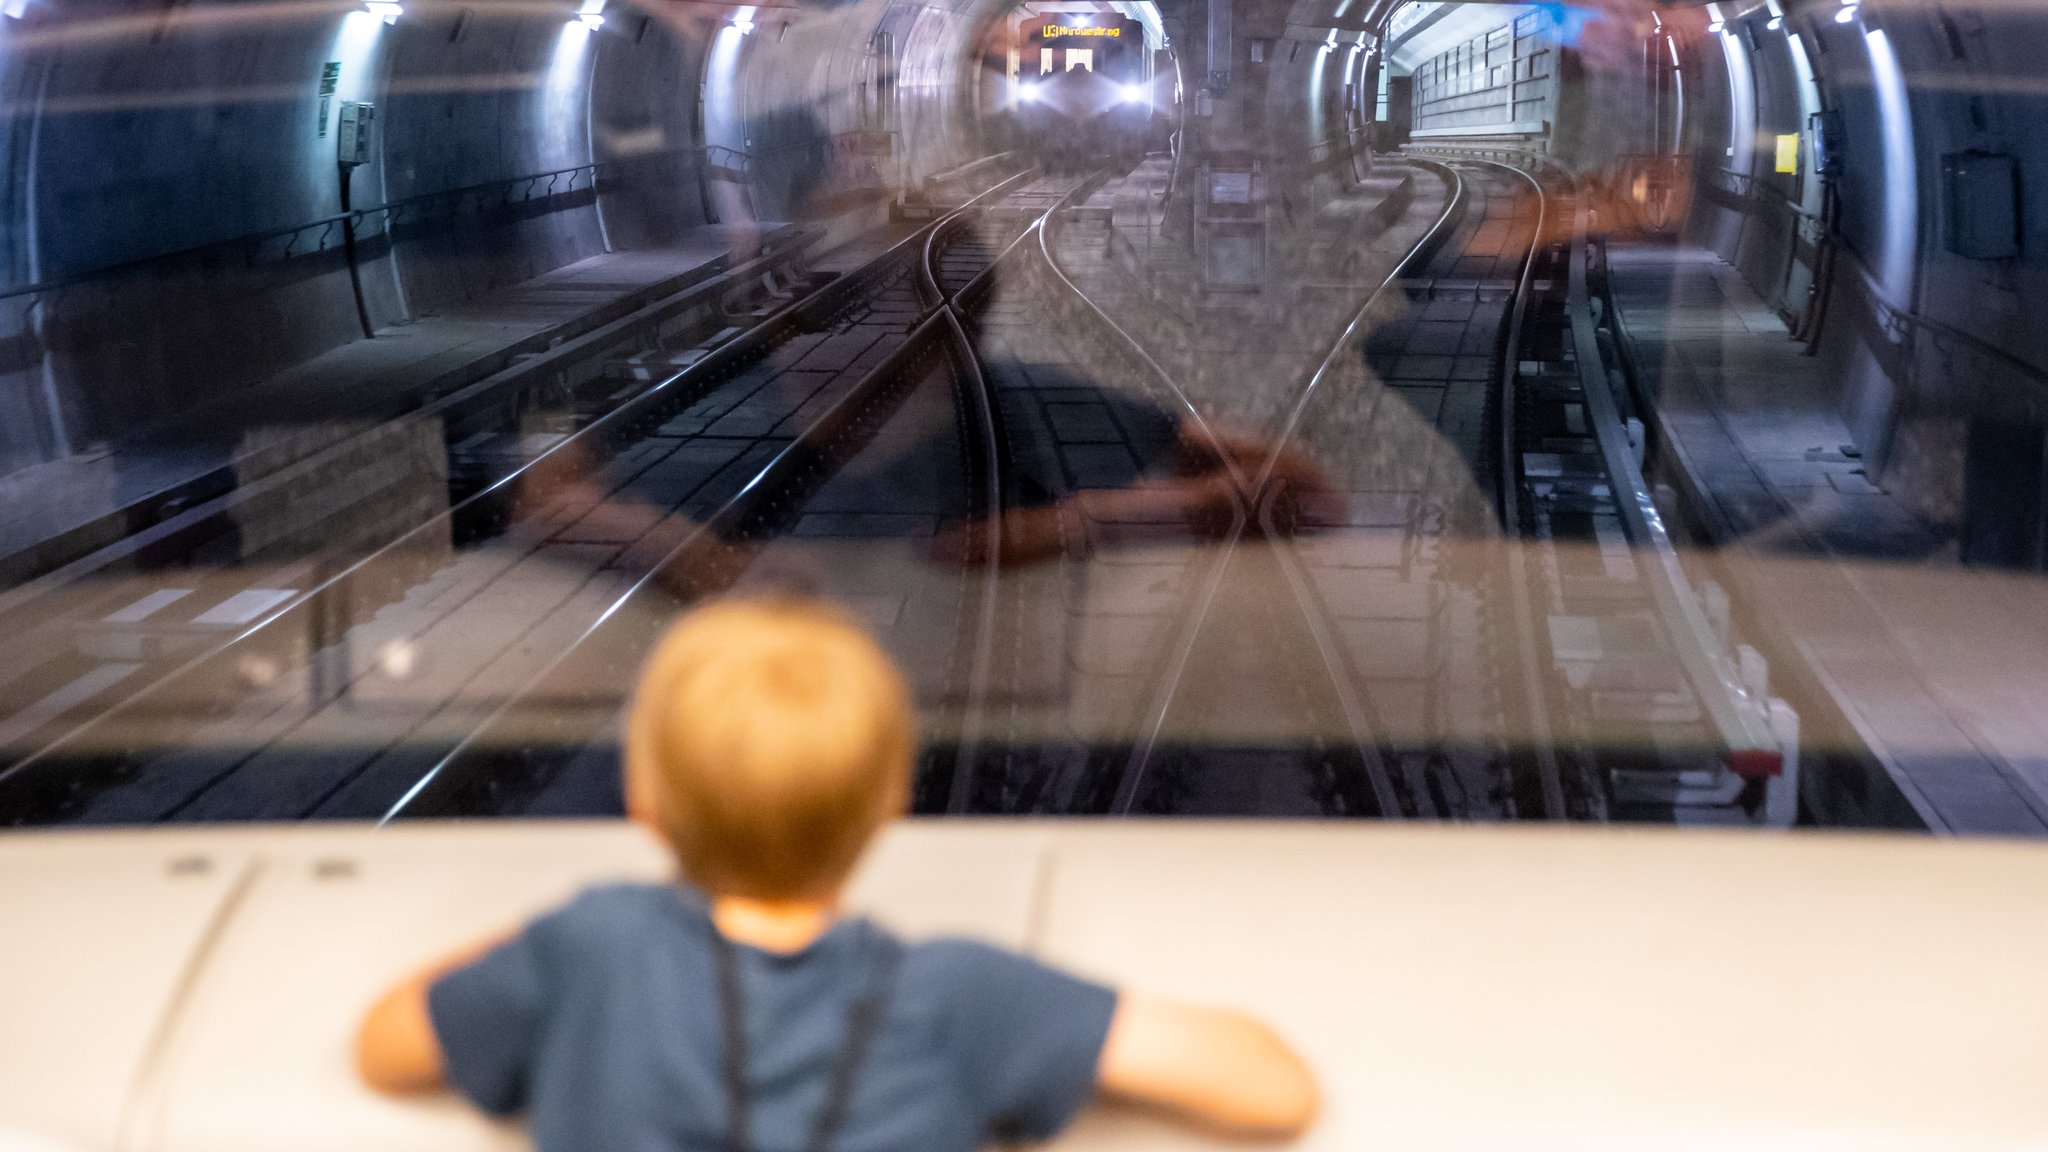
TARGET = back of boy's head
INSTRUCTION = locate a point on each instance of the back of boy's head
(768, 741)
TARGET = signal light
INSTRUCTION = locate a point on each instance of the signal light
(1755, 763)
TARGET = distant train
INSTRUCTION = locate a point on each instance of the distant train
(1084, 91)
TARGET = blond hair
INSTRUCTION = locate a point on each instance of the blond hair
(768, 741)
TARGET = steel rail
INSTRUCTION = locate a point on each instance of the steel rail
(1185, 634)
(1359, 715)
(827, 299)
(1250, 493)
(1507, 481)
(957, 306)
(980, 397)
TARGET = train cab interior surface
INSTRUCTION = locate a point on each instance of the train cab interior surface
(1507, 536)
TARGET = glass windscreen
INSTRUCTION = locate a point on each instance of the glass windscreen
(1363, 409)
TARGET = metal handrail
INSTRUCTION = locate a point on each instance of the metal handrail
(511, 190)
(1747, 186)
(1327, 147)
(1903, 325)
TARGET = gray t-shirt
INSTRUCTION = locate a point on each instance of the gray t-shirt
(601, 1022)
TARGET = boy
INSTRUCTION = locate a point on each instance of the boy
(768, 742)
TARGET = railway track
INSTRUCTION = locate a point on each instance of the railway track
(1101, 443)
(1624, 699)
(224, 733)
(1655, 712)
(302, 512)
(1435, 588)
(1413, 640)
(1250, 709)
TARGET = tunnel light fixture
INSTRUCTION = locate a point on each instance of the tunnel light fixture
(1847, 14)
(1717, 26)
(743, 24)
(590, 14)
(386, 10)
(1776, 22)
(14, 9)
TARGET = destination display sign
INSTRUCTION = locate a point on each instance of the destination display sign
(1054, 31)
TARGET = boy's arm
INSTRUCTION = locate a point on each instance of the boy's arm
(1210, 1064)
(396, 1049)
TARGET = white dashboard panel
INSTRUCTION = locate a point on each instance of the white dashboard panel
(1457, 988)
(263, 1061)
(97, 934)
(1595, 989)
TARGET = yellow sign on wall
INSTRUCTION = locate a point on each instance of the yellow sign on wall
(1788, 153)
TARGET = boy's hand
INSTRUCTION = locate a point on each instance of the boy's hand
(396, 1049)
(1210, 1064)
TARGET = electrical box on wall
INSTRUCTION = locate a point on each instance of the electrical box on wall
(1230, 223)
(352, 143)
(1826, 128)
(1981, 209)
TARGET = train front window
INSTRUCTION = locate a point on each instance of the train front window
(1374, 409)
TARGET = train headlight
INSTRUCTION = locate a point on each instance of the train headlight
(1131, 93)
(1028, 93)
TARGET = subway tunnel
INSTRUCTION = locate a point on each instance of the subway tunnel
(1337, 408)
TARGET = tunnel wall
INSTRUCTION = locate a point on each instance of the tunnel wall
(173, 135)
(643, 124)
(842, 107)
(1937, 357)
(137, 132)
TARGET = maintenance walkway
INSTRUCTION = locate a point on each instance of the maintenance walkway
(52, 513)
(1936, 668)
